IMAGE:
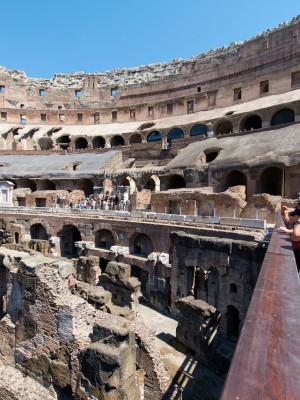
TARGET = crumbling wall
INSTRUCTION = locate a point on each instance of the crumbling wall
(222, 272)
(60, 340)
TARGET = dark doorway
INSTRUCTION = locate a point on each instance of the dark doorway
(68, 236)
(98, 142)
(104, 239)
(117, 141)
(136, 138)
(176, 182)
(235, 178)
(81, 143)
(249, 123)
(142, 276)
(271, 181)
(233, 322)
(38, 231)
(103, 264)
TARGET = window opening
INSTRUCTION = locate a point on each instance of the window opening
(190, 106)
(237, 94)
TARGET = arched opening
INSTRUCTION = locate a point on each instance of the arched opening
(250, 123)
(81, 143)
(224, 128)
(38, 232)
(45, 143)
(86, 185)
(46, 184)
(174, 133)
(198, 129)
(135, 138)
(271, 181)
(146, 125)
(233, 288)
(153, 184)
(68, 236)
(211, 155)
(154, 136)
(27, 183)
(142, 276)
(117, 141)
(98, 142)
(233, 322)
(284, 116)
(129, 182)
(104, 239)
(63, 142)
(235, 178)
(176, 182)
(140, 244)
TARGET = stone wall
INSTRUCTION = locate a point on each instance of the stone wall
(221, 272)
(61, 341)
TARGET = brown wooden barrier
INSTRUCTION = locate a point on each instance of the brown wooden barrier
(266, 362)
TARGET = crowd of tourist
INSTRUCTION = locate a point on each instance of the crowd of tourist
(92, 202)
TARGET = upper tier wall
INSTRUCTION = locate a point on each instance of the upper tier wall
(265, 65)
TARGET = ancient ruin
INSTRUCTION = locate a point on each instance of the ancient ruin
(156, 185)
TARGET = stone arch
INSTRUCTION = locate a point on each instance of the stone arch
(27, 183)
(104, 239)
(250, 123)
(153, 183)
(271, 181)
(68, 236)
(174, 133)
(140, 244)
(129, 182)
(235, 178)
(176, 182)
(86, 185)
(135, 138)
(45, 143)
(98, 142)
(63, 142)
(81, 143)
(154, 136)
(38, 232)
(283, 116)
(224, 127)
(211, 154)
(198, 129)
(233, 322)
(46, 184)
(116, 141)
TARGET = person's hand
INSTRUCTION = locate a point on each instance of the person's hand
(284, 208)
(283, 229)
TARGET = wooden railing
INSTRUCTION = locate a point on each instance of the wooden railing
(266, 362)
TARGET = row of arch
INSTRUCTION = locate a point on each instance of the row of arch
(270, 181)
(140, 244)
(252, 122)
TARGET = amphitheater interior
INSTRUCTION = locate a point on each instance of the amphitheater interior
(150, 187)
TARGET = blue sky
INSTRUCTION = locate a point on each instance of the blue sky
(43, 37)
